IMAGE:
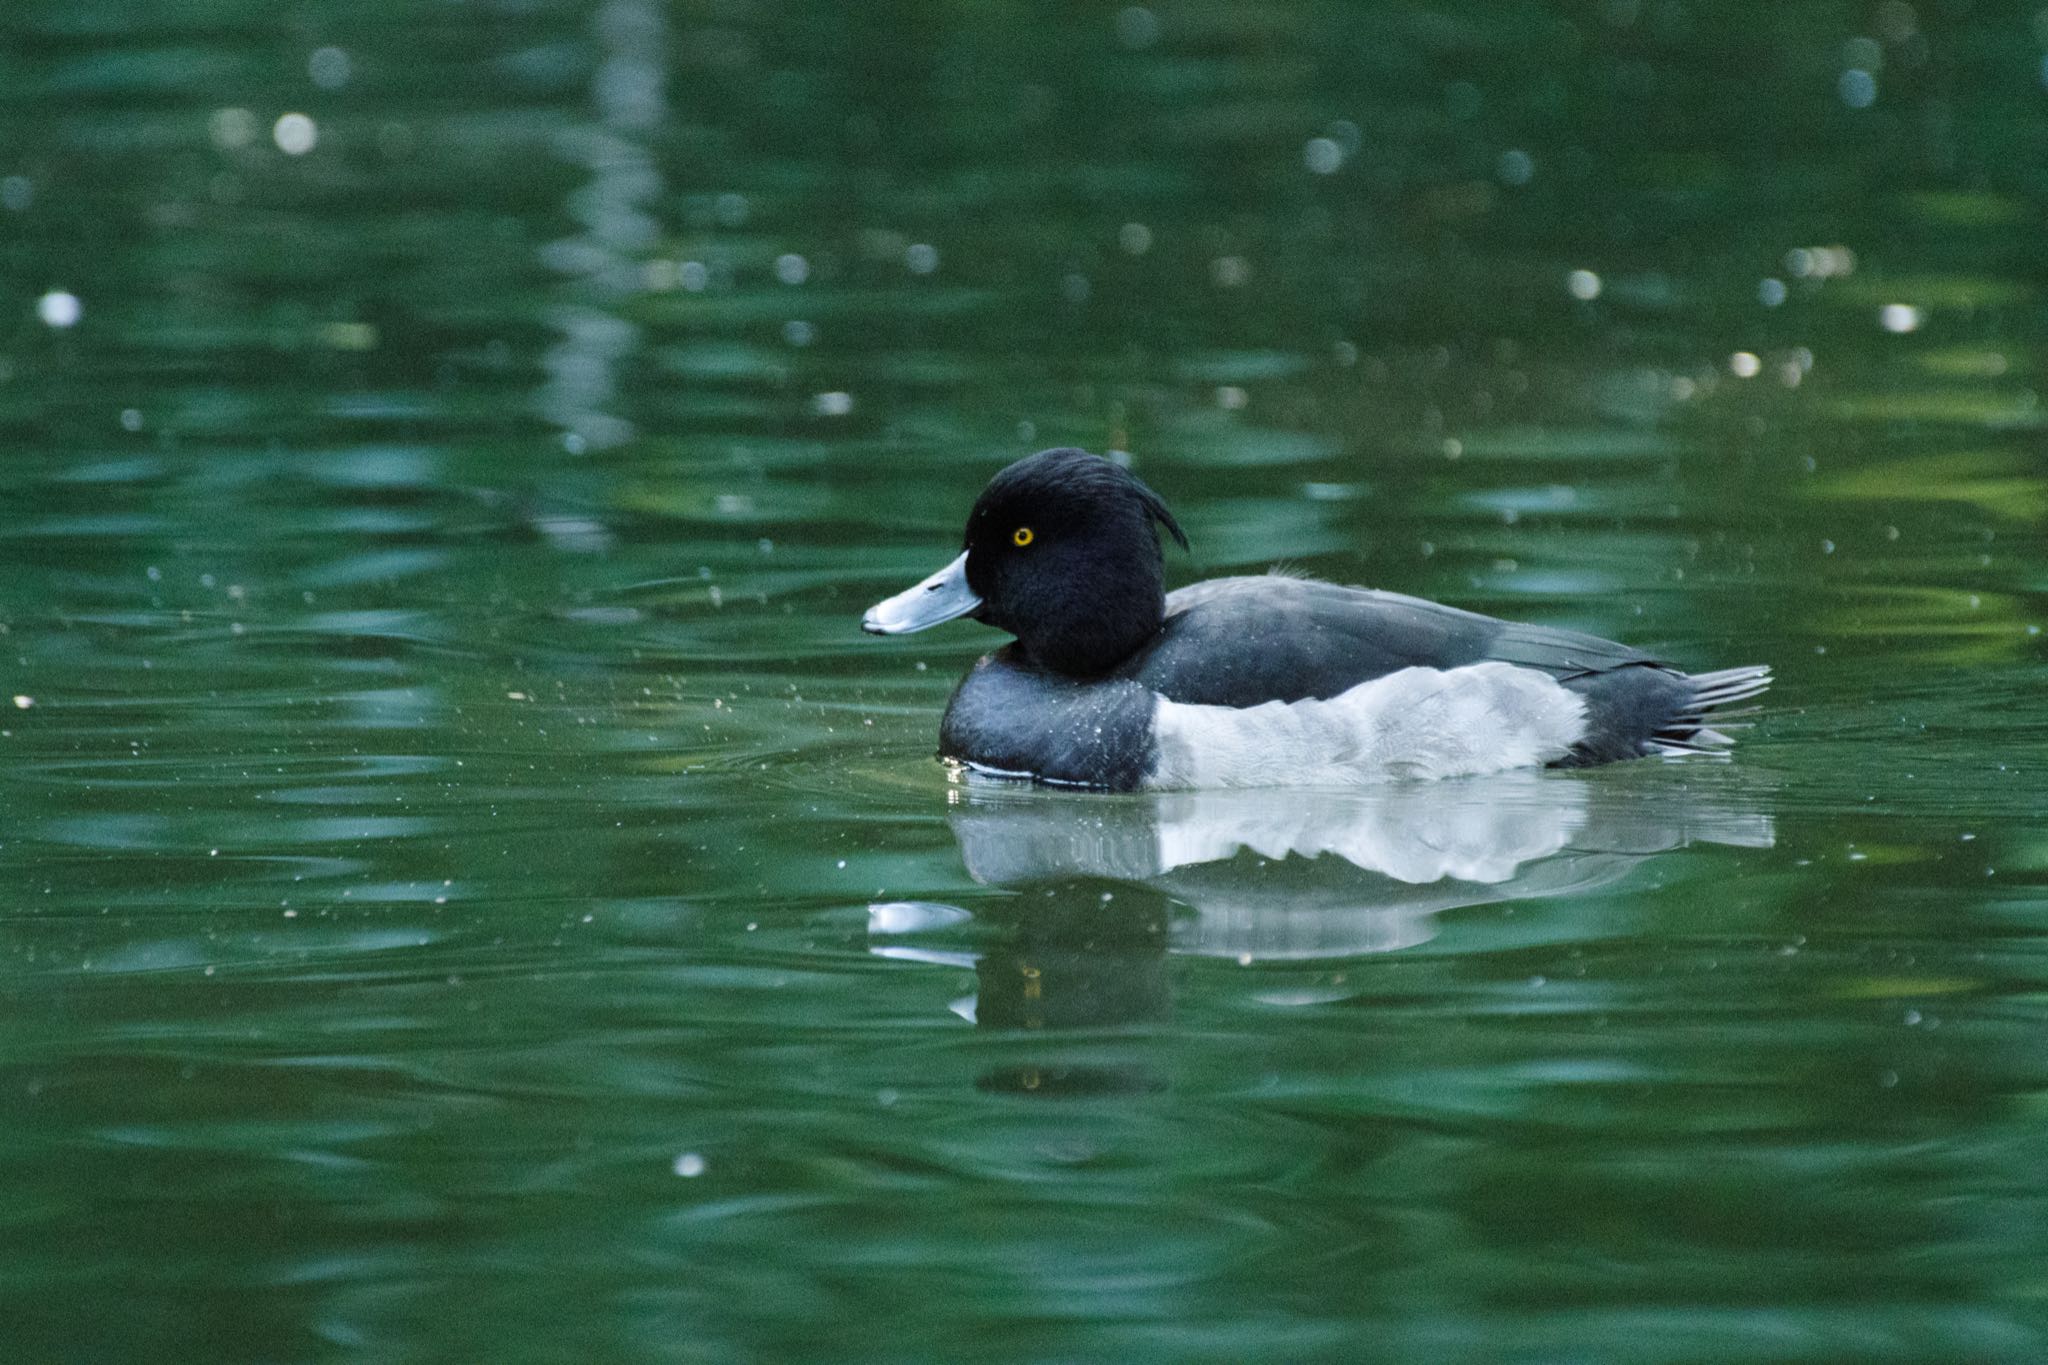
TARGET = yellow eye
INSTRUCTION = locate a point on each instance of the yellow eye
(1022, 536)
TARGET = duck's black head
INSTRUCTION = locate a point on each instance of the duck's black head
(1061, 552)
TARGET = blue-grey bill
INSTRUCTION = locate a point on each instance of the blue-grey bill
(941, 597)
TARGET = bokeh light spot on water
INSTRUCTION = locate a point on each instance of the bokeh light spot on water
(329, 67)
(835, 404)
(1134, 238)
(1820, 262)
(693, 276)
(231, 128)
(131, 419)
(1074, 287)
(349, 336)
(1322, 156)
(17, 192)
(797, 332)
(60, 308)
(920, 258)
(1462, 100)
(1137, 27)
(1857, 87)
(1899, 318)
(791, 268)
(1745, 365)
(1516, 167)
(1231, 398)
(295, 134)
(1230, 272)
(1770, 292)
(689, 1165)
(1863, 53)
(1583, 285)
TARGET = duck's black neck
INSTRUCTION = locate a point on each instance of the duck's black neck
(1100, 618)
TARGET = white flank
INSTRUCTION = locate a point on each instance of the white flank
(1417, 723)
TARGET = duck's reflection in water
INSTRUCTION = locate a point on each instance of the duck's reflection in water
(1115, 884)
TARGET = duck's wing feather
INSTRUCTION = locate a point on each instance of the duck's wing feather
(1245, 641)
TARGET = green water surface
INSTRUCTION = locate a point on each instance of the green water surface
(469, 892)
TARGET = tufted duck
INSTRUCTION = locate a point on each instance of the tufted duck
(1269, 680)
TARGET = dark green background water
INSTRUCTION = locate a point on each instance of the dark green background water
(469, 892)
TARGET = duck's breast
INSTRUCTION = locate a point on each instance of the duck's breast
(1010, 717)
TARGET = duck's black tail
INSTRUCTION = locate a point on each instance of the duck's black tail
(1688, 730)
(1643, 707)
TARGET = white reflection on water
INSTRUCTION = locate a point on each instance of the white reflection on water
(1295, 875)
(1341, 873)
(606, 259)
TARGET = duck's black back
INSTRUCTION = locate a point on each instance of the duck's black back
(1245, 641)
